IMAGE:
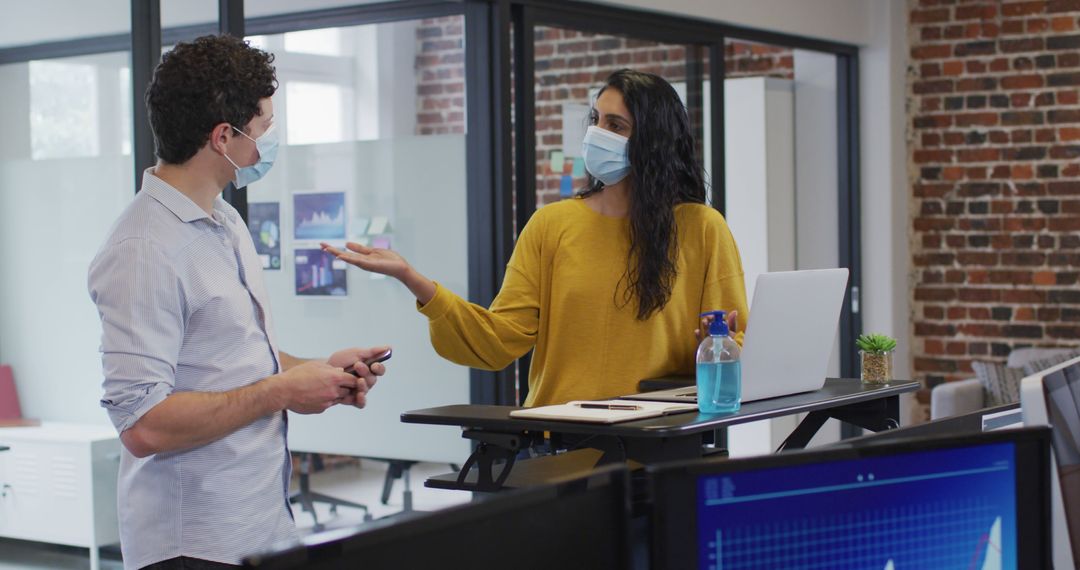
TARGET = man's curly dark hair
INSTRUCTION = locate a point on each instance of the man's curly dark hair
(200, 84)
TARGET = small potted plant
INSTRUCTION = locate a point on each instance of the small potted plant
(876, 355)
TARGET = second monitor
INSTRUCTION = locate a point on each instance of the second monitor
(979, 501)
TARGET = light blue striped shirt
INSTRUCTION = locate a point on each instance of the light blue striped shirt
(183, 309)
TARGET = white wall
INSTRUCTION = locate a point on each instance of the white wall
(837, 20)
(57, 20)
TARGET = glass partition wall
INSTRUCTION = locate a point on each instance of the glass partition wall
(65, 175)
(372, 121)
(439, 127)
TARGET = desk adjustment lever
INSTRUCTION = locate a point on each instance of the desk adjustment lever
(491, 448)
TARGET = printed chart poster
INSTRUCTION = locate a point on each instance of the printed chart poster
(319, 274)
(318, 215)
(264, 223)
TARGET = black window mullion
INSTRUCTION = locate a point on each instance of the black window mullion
(145, 53)
(849, 204)
(717, 70)
(231, 22)
(487, 155)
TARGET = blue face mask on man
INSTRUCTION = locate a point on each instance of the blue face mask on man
(605, 155)
(267, 145)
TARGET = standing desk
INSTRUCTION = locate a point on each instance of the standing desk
(499, 437)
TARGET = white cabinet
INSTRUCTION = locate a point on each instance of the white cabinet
(58, 485)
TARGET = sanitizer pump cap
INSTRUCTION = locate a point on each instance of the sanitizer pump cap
(718, 327)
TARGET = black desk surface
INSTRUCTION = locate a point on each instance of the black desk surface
(837, 392)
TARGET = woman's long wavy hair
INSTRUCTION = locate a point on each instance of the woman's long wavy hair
(663, 174)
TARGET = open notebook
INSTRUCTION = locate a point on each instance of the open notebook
(603, 411)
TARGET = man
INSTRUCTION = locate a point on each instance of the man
(194, 380)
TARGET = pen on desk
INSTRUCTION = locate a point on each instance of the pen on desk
(603, 406)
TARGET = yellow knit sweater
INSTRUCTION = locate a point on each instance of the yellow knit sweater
(563, 296)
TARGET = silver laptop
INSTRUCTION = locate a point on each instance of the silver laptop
(789, 338)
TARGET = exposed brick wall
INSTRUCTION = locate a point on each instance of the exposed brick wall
(440, 76)
(742, 59)
(569, 64)
(994, 125)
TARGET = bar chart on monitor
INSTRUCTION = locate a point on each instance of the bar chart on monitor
(954, 510)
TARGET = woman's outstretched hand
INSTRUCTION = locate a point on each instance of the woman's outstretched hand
(386, 262)
(371, 259)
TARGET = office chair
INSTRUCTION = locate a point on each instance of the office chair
(307, 498)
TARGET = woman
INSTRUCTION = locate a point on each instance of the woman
(605, 287)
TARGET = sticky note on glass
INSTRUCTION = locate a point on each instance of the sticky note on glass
(558, 161)
(579, 168)
(378, 225)
(566, 186)
(359, 226)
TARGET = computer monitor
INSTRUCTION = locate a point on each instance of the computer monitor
(579, 523)
(1052, 397)
(974, 501)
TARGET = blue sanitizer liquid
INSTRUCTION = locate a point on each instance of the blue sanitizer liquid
(718, 387)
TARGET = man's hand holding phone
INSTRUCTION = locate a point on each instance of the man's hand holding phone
(366, 365)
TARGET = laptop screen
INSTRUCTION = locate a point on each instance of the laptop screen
(896, 506)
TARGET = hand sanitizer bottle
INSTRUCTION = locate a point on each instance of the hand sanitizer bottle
(719, 375)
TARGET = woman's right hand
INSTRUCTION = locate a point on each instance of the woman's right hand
(387, 262)
(373, 259)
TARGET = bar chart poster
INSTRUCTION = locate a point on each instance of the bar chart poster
(939, 509)
(318, 215)
(264, 224)
(319, 274)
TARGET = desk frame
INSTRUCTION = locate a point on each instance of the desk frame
(499, 438)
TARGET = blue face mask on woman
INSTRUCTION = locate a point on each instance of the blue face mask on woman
(267, 145)
(605, 155)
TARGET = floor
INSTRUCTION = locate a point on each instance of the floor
(360, 484)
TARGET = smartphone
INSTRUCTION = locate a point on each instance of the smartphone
(381, 357)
